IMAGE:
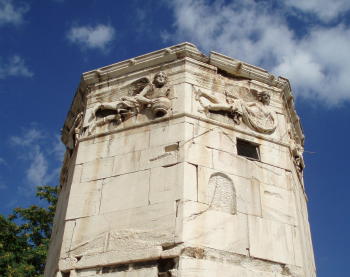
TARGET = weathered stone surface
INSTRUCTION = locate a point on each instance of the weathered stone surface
(97, 169)
(157, 182)
(155, 222)
(200, 268)
(172, 183)
(278, 204)
(171, 134)
(84, 199)
(146, 272)
(271, 240)
(247, 191)
(204, 226)
(125, 192)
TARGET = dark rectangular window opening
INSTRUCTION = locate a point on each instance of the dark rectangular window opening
(248, 149)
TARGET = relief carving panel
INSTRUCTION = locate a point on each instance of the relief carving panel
(222, 193)
(257, 114)
(142, 96)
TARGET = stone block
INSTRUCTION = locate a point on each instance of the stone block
(150, 225)
(278, 157)
(173, 182)
(197, 154)
(127, 163)
(182, 101)
(233, 164)
(161, 156)
(97, 169)
(278, 204)
(271, 240)
(88, 152)
(205, 268)
(170, 134)
(216, 138)
(121, 143)
(84, 199)
(125, 192)
(207, 227)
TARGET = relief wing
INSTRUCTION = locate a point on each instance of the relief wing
(137, 86)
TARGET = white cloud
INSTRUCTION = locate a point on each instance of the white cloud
(28, 137)
(58, 149)
(14, 67)
(97, 37)
(39, 153)
(317, 64)
(37, 173)
(325, 10)
(10, 14)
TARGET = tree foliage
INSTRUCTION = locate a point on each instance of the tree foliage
(25, 235)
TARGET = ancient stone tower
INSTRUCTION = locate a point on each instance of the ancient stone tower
(181, 164)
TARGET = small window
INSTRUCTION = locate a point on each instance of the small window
(248, 149)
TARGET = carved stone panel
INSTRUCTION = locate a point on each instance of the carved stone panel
(143, 96)
(222, 193)
(257, 115)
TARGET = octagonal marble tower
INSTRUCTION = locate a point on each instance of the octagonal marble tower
(181, 164)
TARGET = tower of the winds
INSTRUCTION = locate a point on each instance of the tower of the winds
(182, 164)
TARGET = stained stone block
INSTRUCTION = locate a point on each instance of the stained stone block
(271, 240)
(275, 157)
(97, 169)
(206, 268)
(205, 226)
(171, 134)
(128, 143)
(173, 182)
(91, 151)
(84, 199)
(216, 138)
(127, 163)
(183, 98)
(197, 154)
(151, 223)
(125, 192)
(278, 204)
(232, 164)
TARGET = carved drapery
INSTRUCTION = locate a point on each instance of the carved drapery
(257, 115)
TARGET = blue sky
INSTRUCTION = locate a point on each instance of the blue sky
(45, 45)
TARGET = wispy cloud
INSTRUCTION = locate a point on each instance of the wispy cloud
(318, 64)
(14, 66)
(39, 153)
(92, 37)
(28, 137)
(325, 10)
(58, 149)
(37, 173)
(11, 14)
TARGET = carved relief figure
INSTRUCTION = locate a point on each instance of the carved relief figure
(75, 131)
(143, 94)
(256, 115)
(220, 102)
(297, 151)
